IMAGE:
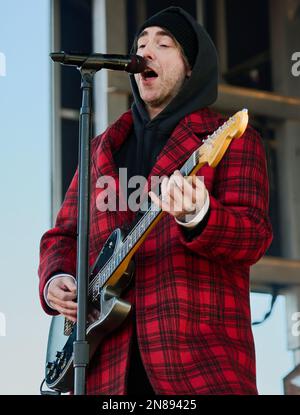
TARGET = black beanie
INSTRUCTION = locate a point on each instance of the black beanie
(180, 28)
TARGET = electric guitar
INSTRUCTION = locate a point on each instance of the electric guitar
(113, 269)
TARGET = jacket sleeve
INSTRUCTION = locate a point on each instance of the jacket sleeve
(58, 246)
(237, 226)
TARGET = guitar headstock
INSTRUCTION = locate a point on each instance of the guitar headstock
(214, 147)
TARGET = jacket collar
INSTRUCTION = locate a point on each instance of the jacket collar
(184, 140)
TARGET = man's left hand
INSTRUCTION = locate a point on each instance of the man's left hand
(182, 197)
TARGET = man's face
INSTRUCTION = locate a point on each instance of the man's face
(159, 86)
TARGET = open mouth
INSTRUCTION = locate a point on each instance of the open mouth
(149, 73)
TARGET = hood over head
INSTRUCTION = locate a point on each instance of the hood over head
(200, 89)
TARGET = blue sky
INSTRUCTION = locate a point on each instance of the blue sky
(25, 210)
(25, 189)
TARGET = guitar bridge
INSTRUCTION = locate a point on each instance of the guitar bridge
(68, 327)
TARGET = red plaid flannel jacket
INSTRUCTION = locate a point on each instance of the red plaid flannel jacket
(191, 297)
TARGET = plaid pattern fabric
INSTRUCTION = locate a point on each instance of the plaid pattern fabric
(191, 297)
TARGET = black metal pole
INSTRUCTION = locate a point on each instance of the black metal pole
(81, 346)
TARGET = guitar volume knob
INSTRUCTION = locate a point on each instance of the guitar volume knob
(49, 366)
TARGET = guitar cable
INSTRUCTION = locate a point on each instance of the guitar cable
(50, 393)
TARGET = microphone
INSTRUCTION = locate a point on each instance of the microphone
(97, 61)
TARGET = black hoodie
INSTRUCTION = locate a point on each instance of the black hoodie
(143, 145)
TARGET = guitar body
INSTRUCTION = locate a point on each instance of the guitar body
(113, 311)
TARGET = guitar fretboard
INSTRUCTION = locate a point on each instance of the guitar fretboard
(134, 236)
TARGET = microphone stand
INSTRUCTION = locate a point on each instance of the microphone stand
(81, 346)
(87, 67)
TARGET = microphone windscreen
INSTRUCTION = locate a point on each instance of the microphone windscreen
(137, 64)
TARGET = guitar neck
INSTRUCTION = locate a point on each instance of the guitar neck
(138, 234)
(210, 152)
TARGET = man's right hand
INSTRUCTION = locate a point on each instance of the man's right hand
(62, 292)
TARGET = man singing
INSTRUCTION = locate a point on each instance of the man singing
(189, 331)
